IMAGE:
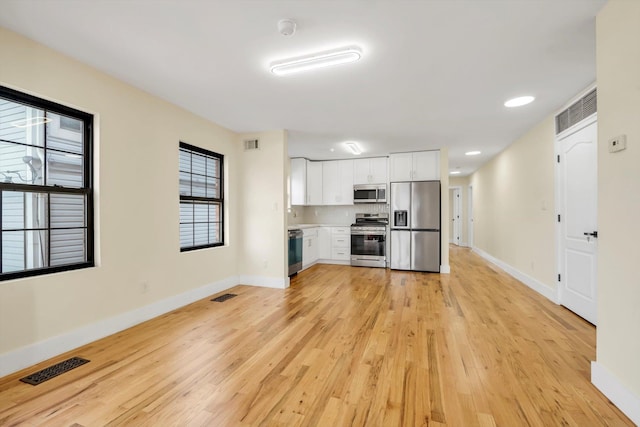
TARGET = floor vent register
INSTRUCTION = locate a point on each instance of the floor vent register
(53, 371)
(224, 297)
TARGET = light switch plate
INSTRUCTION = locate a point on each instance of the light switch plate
(618, 143)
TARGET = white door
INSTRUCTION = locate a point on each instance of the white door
(577, 173)
(470, 225)
(456, 223)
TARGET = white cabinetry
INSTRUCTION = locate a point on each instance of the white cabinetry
(314, 183)
(309, 247)
(298, 177)
(324, 243)
(337, 182)
(418, 166)
(341, 243)
(370, 171)
(306, 182)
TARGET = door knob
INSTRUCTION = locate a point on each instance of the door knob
(593, 234)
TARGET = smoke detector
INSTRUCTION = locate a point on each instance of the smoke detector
(287, 27)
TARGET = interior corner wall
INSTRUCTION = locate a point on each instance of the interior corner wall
(136, 200)
(263, 210)
(514, 207)
(618, 77)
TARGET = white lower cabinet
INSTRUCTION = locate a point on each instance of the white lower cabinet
(333, 245)
(340, 243)
(309, 247)
(324, 243)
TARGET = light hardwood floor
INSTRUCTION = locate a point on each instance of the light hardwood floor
(341, 347)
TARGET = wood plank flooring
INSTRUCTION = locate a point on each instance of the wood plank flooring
(341, 347)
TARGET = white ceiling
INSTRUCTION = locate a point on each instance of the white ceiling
(434, 73)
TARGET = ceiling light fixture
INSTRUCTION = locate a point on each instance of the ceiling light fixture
(32, 121)
(454, 172)
(353, 146)
(322, 59)
(519, 102)
(472, 153)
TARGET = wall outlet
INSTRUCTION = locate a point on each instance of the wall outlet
(618, 143)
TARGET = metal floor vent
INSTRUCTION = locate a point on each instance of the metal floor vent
(53, 371)
(224, 297)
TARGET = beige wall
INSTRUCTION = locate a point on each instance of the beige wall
(136, 192)
(618, 68)
(463, 183)
(513, 205)
(263, 206)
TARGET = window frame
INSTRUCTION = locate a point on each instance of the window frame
(86, 190)
(209, 200)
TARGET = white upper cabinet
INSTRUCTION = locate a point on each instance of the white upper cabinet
(426, 166)
(314, 183)
(337, 182)
(306, 182)
(418, 166)
(370, 171)
(298, 179)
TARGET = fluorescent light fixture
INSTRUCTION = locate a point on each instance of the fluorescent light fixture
(322, 59)
(472, 153)
(519, 102)
(32, 121)
(454, 172)
(353, 146)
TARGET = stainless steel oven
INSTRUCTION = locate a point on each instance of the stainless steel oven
(369, 240)
(376, 193)
(295, 251)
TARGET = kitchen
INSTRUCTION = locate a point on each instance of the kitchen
(361, 212)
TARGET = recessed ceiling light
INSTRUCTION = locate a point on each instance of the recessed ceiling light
(354, 147)
(520, 101)
(454, 172)
(472, 153)
(322, 59)
(32, 121)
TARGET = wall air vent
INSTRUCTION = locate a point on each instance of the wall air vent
(251, 144)
(578, 111)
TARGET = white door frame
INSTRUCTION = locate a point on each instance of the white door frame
(470, 217)
(560, 209)
(457, 215)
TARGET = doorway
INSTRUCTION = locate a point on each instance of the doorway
(470, 225)
(455, 207)
(577, 191)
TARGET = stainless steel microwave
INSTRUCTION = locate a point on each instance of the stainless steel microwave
(370, 193)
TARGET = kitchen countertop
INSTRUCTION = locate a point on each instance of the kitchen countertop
(303, 226)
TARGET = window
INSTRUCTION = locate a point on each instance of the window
(46, 196)
(201, 198)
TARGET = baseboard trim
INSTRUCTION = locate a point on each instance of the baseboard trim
(334, 261)
(31, 354)
(535, 284)
(445, 269)
(264, 282)
(616, 392)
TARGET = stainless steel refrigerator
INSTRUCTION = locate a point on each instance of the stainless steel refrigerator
(415, 226)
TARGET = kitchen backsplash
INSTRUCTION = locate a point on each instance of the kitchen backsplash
(338, 215)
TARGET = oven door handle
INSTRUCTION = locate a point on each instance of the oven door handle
(368, 233)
